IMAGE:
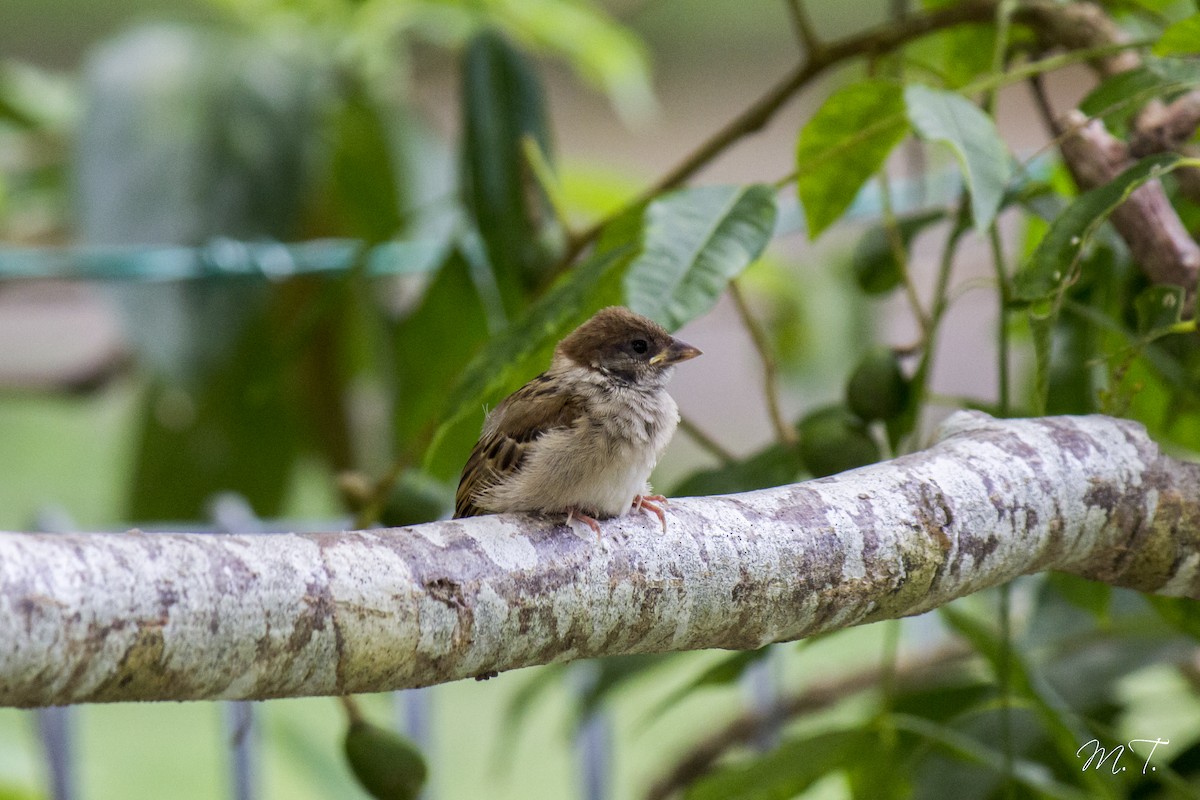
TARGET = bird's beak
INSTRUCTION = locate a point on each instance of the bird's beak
(677, 351)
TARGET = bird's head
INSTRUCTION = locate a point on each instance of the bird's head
(627, 346)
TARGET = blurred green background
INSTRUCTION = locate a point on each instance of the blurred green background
(158, 346)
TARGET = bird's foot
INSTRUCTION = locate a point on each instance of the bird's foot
(654, 504)
(574, 513)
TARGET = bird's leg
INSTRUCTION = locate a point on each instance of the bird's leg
(654, 504)
(574, 513)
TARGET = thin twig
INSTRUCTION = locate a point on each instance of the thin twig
(1041, 100)
(891, 228)
(802, 23)
(1002, 338)
(706, 442)
(759, 113)
(783, 431)
(350, 706)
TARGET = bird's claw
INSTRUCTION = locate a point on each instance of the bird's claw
(654, 504)
(585, 519)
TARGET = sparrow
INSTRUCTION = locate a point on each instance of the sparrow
(582, 437)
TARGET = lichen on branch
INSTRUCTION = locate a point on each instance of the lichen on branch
(136, 616)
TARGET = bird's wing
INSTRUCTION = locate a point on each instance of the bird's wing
(521, 419)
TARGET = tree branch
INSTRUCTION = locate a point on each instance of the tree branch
(115, 617)
(1158, 240)
(755, 117)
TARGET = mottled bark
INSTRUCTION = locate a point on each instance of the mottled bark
(1158, 240)
(107, 617)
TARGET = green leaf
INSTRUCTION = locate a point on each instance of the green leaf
(365, 186)
(502, 103)
(433, 345)
(1033, 775)
(833, 440)
(234, 428)
(386, 764)
(612, 673)
(1120, 95)
(1052, 267)
(1070, 387)
(844, 143)
(696, 241)
(1158, 309)
(607, 55)
(775, 465)
(1063, 727)
(1091, 596)
(948, 117)
(1180, 39)
(1042, 316)
(726, 671)
(787, 770)
(1181, 613)
(874, 261)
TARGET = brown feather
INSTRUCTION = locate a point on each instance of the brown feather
(521, 419)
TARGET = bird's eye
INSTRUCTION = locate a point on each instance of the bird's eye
(639, 346)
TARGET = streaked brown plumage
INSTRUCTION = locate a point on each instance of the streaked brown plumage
(582, 437)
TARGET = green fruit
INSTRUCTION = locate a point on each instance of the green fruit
(877, 388)
(386, 764)
(833, 440)
(416, 498)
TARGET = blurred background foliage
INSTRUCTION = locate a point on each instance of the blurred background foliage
(330, 232)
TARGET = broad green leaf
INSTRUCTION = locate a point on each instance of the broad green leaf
(386, 764)
(957, 55)
(1091, 596)
(502, 103)
(365, 185)
(874, 262)
(695, 242)
(1120, 96)
(1158, 309)
(607, 55)
(787, 770)
(432, 346)
(775, 465)
(1180, 39)
(234, 428)
(1054, 263)
(845, 143)
(945, 700)
(944, 116)
(1033, 775)
(1070, 380)
(1042, 315)
(1182, 613)
(1065, 730)
(726, 671)
(612, 673)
